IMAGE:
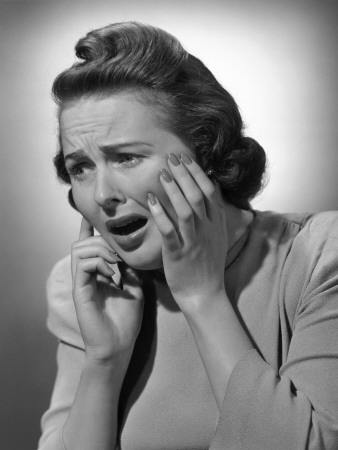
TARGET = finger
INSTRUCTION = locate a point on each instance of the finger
(169, 234)
(188, 186)
(90, 248)
(206, 186)
(92, 251)
(184, 211)
(97, 241)
(85, 268)
(86, 229)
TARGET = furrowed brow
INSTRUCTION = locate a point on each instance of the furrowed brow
(76, 156)
(115, 147)
(80, 154)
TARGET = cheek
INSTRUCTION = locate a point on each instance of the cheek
(154, 185)
(143, 182)
(150, 182)
(84, 203)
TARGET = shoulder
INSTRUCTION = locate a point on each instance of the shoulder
(322, 225)
(311, 227)
(317, 245)
(62, 319)
(318, 237)
(60, 275)
(311, 267)
(306, 245)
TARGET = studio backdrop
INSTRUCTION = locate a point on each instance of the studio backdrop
(277, 58)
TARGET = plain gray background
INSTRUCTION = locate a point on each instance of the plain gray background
(278, 59)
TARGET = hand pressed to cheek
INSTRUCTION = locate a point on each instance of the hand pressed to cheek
(195, 192)
(193, 196)
(185, 199)
(186, 226)
(194, 255)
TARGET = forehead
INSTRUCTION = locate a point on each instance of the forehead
(93, 123)
(124, 109)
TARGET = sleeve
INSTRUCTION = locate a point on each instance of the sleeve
(63, 324)
(69, 363)
(296, 408)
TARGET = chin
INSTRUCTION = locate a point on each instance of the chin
(144, 260)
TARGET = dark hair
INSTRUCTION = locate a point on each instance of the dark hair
(191, 102)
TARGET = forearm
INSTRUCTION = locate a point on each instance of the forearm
(220, 339)
(92, 421)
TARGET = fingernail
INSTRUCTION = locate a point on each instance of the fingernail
(173, 159)
(165, 175)
(114, 255)
(152, 199)
(110, 270)
(186, 158)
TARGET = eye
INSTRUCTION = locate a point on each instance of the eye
(128, 159)
(78, 171)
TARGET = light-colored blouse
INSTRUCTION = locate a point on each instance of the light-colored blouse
(282, 279)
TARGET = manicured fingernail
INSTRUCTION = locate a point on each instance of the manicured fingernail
(186, 158)
(110, 269)
(152, 199)
(114, 255)
(165, 175)
(173, 159)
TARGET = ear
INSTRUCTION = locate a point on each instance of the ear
(71, 199)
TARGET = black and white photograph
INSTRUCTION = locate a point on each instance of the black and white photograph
(169, 225)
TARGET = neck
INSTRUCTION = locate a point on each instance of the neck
(238, 221)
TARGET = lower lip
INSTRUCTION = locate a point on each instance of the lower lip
(132, 240)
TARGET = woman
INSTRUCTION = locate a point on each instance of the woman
(189, 321)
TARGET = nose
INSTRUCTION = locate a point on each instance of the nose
(107, 190)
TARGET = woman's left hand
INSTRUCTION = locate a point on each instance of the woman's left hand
(194, 249)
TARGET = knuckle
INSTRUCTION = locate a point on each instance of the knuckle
(186, 215)
(158, 213)
(210, 193)
(197, 200)
(74, 246)
(211, 190)
(76, 254)
(186, 175)
(168, 232)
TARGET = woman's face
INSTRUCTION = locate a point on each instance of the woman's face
(114, 148)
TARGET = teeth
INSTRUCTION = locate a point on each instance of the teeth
(125, 224)
(129, 227)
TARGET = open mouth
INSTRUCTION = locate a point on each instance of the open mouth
(129, 228)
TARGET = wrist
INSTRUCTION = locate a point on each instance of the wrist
(115, 367)
(203, 303)
(108, 355)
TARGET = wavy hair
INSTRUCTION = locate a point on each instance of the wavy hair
(189, 100)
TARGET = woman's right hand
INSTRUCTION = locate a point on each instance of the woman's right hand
(109, 317)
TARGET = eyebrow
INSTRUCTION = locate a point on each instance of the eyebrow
(79, 154)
